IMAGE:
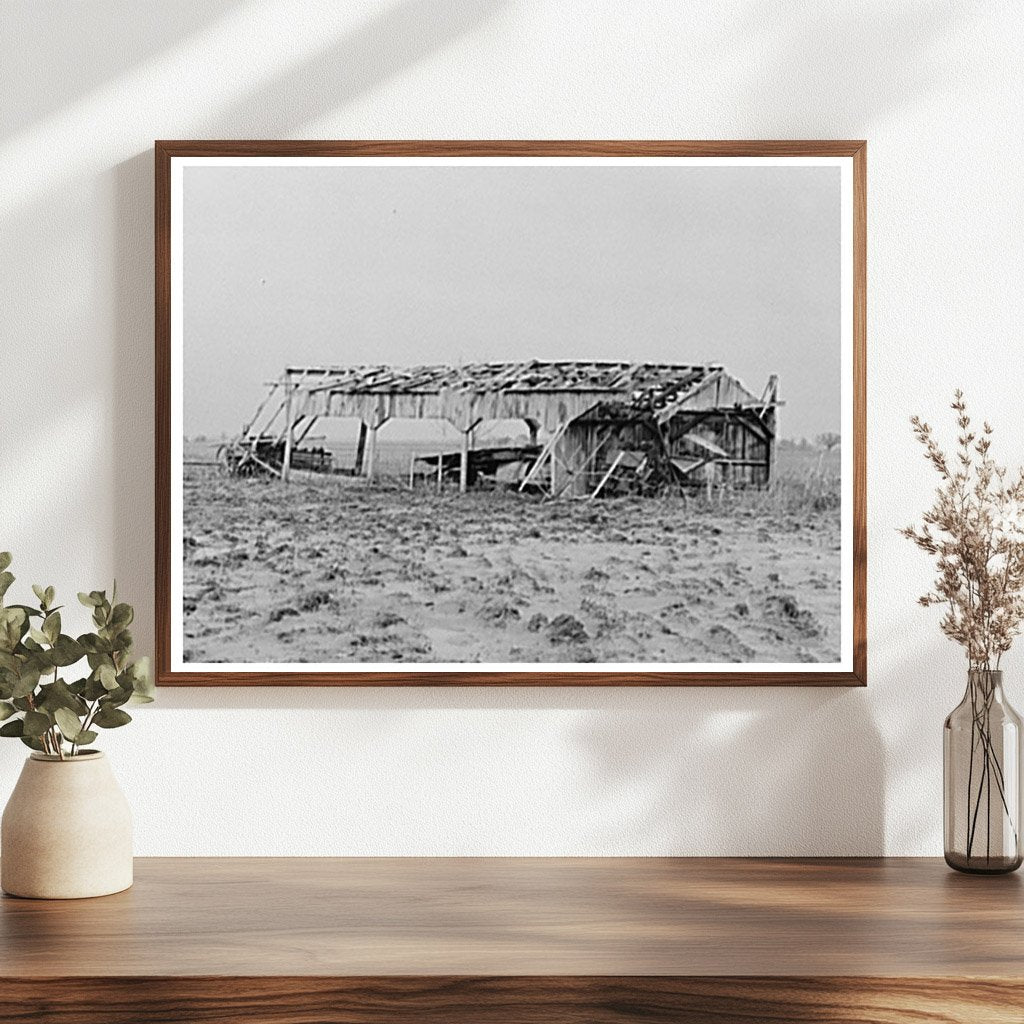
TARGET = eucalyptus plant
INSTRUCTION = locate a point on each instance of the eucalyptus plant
(37, 704)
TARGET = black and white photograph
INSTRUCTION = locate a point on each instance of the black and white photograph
(511, 414)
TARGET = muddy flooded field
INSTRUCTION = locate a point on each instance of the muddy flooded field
(334, 571)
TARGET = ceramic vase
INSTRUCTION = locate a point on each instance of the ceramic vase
(66, 831)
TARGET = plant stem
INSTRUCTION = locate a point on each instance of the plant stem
(988, 811)
(982, 698)
(58, 739)
(89, 714)
(970, 767)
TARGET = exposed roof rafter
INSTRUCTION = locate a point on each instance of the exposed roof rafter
(630, 381)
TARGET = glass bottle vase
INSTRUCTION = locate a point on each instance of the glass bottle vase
(981, 770)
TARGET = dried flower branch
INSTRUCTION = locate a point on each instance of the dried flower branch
(975, 531)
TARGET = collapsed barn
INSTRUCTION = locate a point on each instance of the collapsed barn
(595, 428)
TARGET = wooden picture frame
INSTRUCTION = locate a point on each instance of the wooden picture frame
(173, 670)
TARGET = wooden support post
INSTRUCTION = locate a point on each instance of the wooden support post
(360, 449)
(378, 421)
(467, 446)
(286, 464)
(464, 462)
(412, 471)
(772, 396)
(440, 471)
(560, 434)
(371, 453)
(727, 444)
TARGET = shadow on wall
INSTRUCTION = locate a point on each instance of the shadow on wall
(133, 386)
(386, 45)
(750, 773)
(687, 772)
(52, 44)
(924, 682)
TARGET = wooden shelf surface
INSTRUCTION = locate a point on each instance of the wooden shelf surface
(376, 934)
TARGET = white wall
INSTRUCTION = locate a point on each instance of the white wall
(937, 89)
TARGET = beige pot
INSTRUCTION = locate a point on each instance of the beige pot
(66, 831)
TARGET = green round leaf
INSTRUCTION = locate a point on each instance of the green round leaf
(69, 724)
(51, 626)
(59, 695)
(36, 723)
(110, 718)
(122, 616)
(66, 651)
(94, 689)
(27, 681)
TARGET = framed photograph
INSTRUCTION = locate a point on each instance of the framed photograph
(492, 413)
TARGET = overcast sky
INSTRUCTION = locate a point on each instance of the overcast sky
(409, 265)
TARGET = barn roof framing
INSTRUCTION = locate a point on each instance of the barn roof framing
(530, 376)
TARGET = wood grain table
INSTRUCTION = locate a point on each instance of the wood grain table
(499, 941)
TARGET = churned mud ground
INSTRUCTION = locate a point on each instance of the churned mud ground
(334, 571)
